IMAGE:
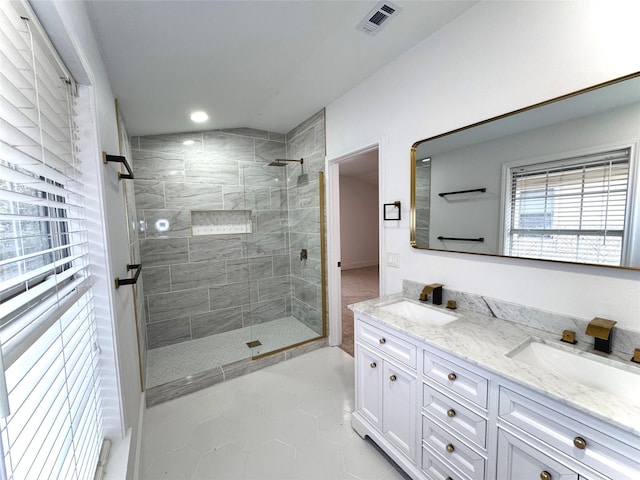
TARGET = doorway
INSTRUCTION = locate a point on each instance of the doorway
(359, 236)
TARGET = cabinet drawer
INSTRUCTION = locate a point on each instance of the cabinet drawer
(436, 468)
(452, 450)
(517, 460)
(393, 346)
(454, 416)
(602, 452)
(467, 384)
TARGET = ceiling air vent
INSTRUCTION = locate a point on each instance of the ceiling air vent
(377, 17)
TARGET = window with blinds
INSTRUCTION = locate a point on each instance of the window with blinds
(50, 388)
(569, 210)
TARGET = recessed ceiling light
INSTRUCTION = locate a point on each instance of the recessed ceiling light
(188, 142)
(199, 117)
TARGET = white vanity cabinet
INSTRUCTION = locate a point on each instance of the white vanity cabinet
(442, 418)
(386, 401)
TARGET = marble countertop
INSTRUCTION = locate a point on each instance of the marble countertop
(484, 341)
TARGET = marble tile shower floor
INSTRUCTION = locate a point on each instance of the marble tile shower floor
(173, 362)
(289, 421)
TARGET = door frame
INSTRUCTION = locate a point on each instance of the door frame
(334, 290)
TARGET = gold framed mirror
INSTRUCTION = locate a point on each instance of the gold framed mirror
(555, 181)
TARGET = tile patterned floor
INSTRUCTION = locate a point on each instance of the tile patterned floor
(174, 362)
(290, 421)
(357, 285)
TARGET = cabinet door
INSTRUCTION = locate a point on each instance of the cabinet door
(519, 461)
(369, 385)
(399, 407)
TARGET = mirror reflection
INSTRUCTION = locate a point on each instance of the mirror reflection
(555, 181)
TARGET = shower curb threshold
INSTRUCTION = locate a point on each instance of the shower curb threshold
(193, 383)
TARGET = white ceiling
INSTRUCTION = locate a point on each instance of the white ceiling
(260, 64)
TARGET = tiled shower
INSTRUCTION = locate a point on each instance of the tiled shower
(221, 236)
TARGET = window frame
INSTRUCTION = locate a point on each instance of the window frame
(630, 249)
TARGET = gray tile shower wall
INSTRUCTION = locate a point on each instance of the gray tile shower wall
(203, 285)
(423, 195)
(197, 286)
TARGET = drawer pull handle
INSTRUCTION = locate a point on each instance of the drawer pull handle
(382, 340)
(392, 378)
(544, 475)
(580, 443)
(449, 448)
(452, 376)
(373, 365)
(451, 413)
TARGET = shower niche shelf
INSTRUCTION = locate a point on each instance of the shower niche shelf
(220, 222)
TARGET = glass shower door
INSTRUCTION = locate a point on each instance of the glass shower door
(268, 269)
(283, 257)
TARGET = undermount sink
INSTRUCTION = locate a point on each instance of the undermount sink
(419, 313)
(585, 368)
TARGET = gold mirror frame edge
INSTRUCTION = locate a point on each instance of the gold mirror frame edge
(414, 147)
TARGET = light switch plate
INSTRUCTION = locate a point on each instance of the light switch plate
(392, 260)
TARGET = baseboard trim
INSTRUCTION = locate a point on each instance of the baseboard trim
(362, 264)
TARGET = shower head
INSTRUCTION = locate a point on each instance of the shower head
(282, 162)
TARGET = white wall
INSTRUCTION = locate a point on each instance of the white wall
(358, 223)
(68, 26)
(495, 58)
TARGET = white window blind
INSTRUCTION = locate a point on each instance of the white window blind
(570, 210)
(52, 425)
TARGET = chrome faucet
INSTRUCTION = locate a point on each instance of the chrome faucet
(601, 330)
(436, 289)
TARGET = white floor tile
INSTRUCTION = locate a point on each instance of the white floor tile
(296, 428)
(277, 403)
(174, 465)
(226, 463)
(363, 461)
(251, 431)
(289, 421)
(274, 461)
(316, 402)
(166, 437)
(319, 460)
(211, 435)
(335, 427)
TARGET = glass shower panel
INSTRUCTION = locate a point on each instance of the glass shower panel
(306, 234)
(283, 257)
(268, 268)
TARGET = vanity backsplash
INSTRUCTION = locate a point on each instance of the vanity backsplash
(624, 340)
